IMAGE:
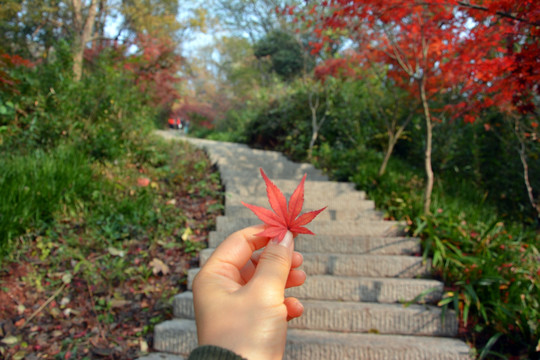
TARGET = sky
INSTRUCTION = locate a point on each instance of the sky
(194, 39)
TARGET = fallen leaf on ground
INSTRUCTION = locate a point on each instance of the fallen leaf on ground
(143, 181)
(118, 303)
(144, 346)
(187, 233)
(115, 252)
(159, 266)
(10, 340)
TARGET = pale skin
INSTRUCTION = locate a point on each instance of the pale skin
(239, 294)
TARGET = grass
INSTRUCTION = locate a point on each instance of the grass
(101, 247)
(34, 187)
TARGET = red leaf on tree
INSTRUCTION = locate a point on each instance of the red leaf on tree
(284, 218)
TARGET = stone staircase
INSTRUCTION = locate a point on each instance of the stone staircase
(361, 270)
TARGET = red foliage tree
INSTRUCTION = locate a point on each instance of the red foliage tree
(8, 62)
(337, 68)
(487, 52)
(412, 38)
(155, 67)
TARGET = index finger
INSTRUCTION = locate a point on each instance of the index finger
(237, 248)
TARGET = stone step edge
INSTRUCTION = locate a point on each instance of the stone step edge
(396, 266)
(345, 244)
(333, 214)
(357, 206)
(358, 317)
(258, 182)
(256, 191)
(179, 336)
(224, 219)
(431, 290)
(337, 228)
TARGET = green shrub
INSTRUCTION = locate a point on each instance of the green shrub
(490, 268)
(104, 114)
(282, 126)
(493, 278)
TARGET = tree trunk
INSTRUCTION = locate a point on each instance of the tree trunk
(523, 156)
(392, 141)
(315, 124)
(83, 34)
(314, 130)
(427, 157)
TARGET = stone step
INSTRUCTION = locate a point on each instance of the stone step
(161, 356)
(357, 227)
(351, 202)
(363, 289)
(292, 172)
(250, 186)
(222, 149)
(180, 337)
(356, 317)
(366, 289)
(356, 265)
(347, 244)
(328, 214)
(241, 161)
(239, 164)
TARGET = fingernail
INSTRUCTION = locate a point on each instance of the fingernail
(287, 240)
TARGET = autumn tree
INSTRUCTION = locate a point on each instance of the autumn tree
(485, 53)
(503, 71)
(412, 40)
(155, 68)
(155, 18)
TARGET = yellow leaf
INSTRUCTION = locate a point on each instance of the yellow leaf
(187, 233)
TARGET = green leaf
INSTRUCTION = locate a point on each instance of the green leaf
(486, 350)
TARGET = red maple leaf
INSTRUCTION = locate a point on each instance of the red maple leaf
(284, 217)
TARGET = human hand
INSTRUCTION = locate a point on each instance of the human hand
(239, 295)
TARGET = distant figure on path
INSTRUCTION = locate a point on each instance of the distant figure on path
(186, 126)
(171, 123)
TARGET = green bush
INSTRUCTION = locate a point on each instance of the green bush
(104, 114)
(282, 126)
(493, 278)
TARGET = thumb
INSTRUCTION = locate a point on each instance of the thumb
(275, 264)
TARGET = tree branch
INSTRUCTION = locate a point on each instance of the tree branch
(499, 13)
